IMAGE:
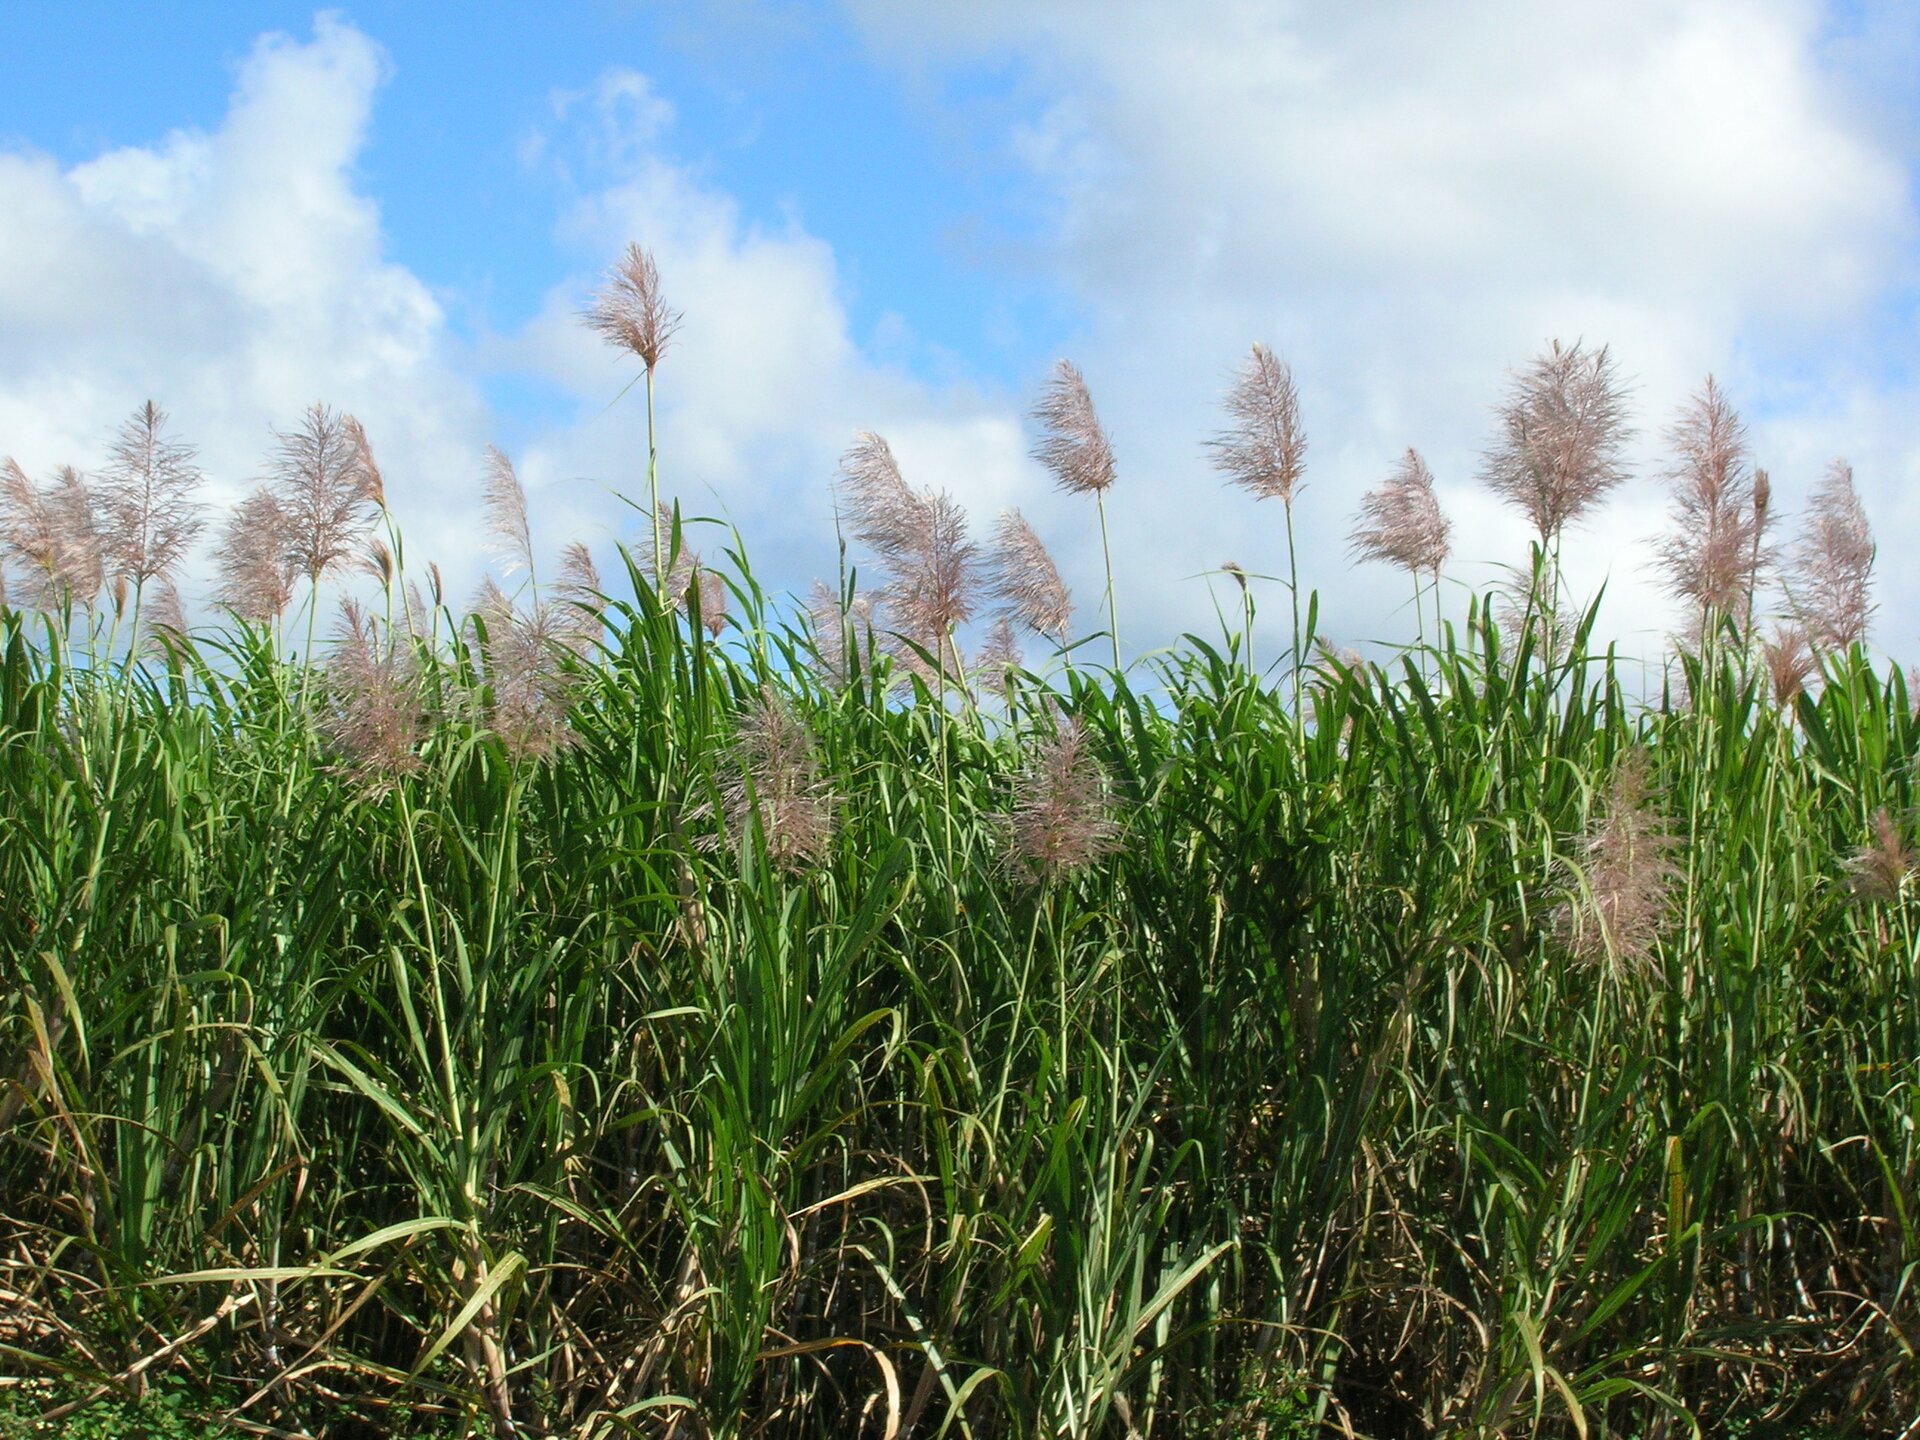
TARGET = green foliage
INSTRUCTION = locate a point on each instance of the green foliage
(523, 1078)
(162, 1415)
(171, 1411)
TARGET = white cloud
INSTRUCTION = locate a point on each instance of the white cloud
(613, 122)
(238, 275)
(235, 277)
(1406, 199)
(764, 385)
(1403, 200)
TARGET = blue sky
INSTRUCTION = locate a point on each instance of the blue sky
(896, 214)
(780, 107)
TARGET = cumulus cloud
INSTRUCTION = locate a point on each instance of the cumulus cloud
(765, 383)
(238, 275)
(1402, 202)
(234, 276)
(1405, 200)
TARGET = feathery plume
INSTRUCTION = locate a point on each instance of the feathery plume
(526, 659)
(1266, 450)
(533, 691)
(1062, 818)
(320, 480)
(419, 618)
(1562, 433)
(580, 589)
(711, 589)
(1712, 555)
(506, 505)
(1624, 881)
(1789, 663)
(148, 516)
(372, 483)
(26, 525)
(579, 576)
(255, 559)
(374, 715)
(491, 606)
(27, 536)
(935, 589)
(1878, 871)
(378, 561)
(1072, 444)
(827, 624)
(884, 512)
(1236, 571)
(778, 782)
(921, 540)
(999, 657)
(1025, 578)
(1401, 522)
(79, 567)
(629, 311)
(838, 634)
(1762, 518)
(1832, 590)
(163, 620)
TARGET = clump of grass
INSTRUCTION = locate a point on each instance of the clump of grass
(574, 1019)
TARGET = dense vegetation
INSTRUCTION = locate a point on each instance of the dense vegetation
(584, 1017)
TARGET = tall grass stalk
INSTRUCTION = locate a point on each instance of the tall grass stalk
(640, 1030)
(530, 1086)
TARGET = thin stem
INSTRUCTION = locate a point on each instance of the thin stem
(306, 671)
(1246, 627)
(306, 653)
(1293, 588)
(1552, 617)
(1419, 625)
(653, 499)
(1023, 1006)
(1106, 551)
(946, 777)
(1753, 583)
